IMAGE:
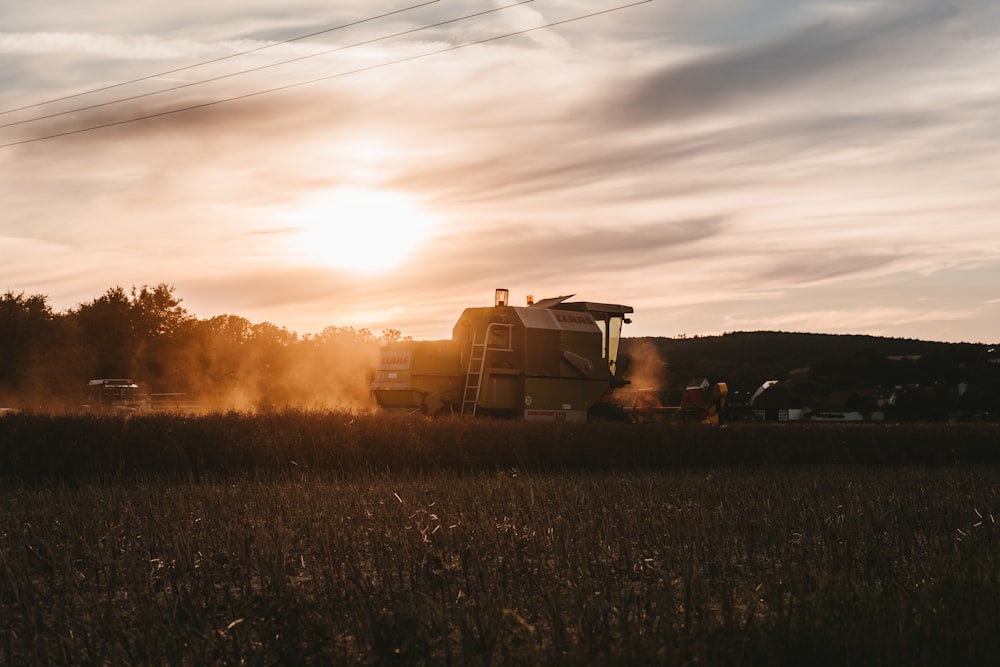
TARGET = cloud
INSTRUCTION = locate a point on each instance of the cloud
(803, 61)
(817, 266)
(141, 47)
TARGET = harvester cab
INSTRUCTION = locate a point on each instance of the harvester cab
(552, 360)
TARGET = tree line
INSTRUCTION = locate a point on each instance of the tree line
(146, 334)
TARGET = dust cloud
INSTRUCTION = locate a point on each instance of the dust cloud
(209, 374)
(647, 377)
(311, 374)
(647, 370)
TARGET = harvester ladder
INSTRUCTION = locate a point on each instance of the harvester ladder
(477, 364)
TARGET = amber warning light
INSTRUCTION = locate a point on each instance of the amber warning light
(501, 298)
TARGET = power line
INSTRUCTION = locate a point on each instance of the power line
(262, 67)
(359, 70)
(215, 60)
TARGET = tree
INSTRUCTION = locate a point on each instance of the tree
(156, 311)
(160, 326)
(390, 336)
(131, 333)
(27, 331)
(106, 334)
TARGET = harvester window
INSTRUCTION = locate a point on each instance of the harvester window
(613, 340)
(611, 336)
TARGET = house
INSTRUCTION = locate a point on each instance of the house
(853, 405)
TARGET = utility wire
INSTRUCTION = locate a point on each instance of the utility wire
(215, 60)
(262, 67)
(326, 78)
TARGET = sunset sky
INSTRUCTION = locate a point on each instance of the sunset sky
(723, 165)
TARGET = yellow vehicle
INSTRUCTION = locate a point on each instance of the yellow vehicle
(697, 403)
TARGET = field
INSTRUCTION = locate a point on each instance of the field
(302, 538)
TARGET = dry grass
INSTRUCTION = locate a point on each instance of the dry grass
(762, 565)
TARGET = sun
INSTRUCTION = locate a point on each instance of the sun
(358, 229)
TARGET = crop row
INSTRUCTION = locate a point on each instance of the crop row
(39, 447)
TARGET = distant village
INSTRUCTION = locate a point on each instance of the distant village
(796, 377)
(780, 401)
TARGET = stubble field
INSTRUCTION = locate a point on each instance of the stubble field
(351, 539)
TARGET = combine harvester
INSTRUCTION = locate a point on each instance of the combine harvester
(554, 360)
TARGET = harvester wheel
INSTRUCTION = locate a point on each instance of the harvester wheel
(606, 412)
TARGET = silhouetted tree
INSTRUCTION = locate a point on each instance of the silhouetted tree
(107, 336)
(132, 334)
(160, 325)
(27, 333)
(391, 335)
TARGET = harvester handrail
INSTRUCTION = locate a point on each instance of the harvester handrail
(486, 342)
